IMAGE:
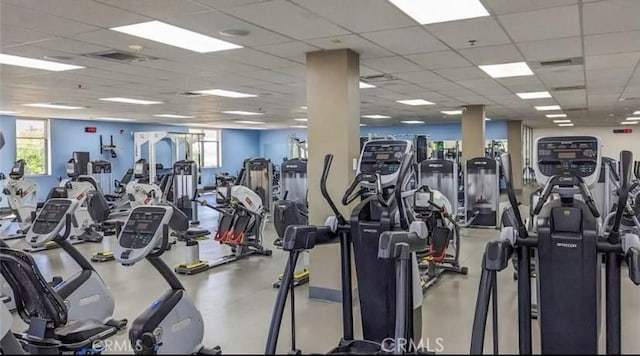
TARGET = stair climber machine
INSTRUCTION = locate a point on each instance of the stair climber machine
(386, 267)
(85, 294)
(482, 193)
(171, 325)
(22, 199)
(240, 226)
(443, 252)
(569, 246)
(292, 210)
(608, 182)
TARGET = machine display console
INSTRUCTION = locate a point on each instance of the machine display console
(384, 158)
(141, 227)
(568, 156)
(53, 212)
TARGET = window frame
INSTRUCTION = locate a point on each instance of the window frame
(47, 144)
(205, 140)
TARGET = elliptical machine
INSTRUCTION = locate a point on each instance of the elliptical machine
(85, 294)
(171, 325)
(386, 266)
(569, 246)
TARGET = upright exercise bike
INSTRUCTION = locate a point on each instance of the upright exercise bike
(171, 324)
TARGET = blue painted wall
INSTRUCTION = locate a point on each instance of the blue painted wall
(274, 144)
(67, 136)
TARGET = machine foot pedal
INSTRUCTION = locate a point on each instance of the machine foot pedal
(191, 269)
(103, 256)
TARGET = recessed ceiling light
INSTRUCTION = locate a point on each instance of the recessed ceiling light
(363, 125)
(452, 112)
(175, 36)
(551, 116)
(548, 108)
(240, 112)
(131, 101)
(411, 122)
(561, 121)
(299, 126)
(630, 122)
(234, 32)
(364, 85)
(487, 119)
(534, 95)
(415, 102)
(225, 93)
(434, 11)
(303, 108)
(173, 116)
(565, 125)
(376, 116)
(636, 113)
(35, 63)
(5, 112)
(112, 119)
(197, 124)
(506, 70)
(54, 106)
(633, 119)
(302, 119)
(250, 122)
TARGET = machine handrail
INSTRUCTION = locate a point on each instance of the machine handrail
(505, 161)
(626, 159)
(325, 193)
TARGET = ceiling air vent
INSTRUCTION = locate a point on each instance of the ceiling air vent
(189, 94)
(379, 78)
(562, 62)
(574, 87)
(574, 109)
(120, 56)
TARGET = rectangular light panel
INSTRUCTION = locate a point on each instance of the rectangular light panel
(548, 108)
(35, 63)
(240, 112)
(175, 36)
(54, 106)
(506, 70)
(534, 95)
(225, 93)
(415, 102)
(131, 101)
(435, 11)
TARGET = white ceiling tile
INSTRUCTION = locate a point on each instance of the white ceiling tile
(500, 7)
(558, 76)
(492, 54)
(608, 43)
(212, 22)
(17, 36)
(85, 11)
(610, 16)
(299, 71)
(40, 22)
(69, 46)
(439, 60)
(572, 98)
(631, 92)
(255, 58)
(359, 15)
(610, 61)
(406, 40)
(225, 4)
(420, 77)
(390, 64)
(366, 71)
(160, 9)
(543, 24)
(294, 50)
(288, 19)
(547, 50)
(484, 86)
(465, 73)
(270, 76)
(522, 84)
(366, 48)
(457, 34)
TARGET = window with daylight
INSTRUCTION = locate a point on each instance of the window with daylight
(32, 145)
(212, 149)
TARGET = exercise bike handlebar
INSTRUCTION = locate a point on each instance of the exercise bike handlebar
(323, 188)
(626, 160)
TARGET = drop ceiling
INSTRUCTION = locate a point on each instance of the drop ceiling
(436, 62)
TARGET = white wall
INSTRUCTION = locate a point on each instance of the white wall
(612, 143)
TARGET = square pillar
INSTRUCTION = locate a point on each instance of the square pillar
(333, 113)
(514, 142)
(473, 132)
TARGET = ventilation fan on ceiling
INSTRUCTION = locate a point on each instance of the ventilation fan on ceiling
(120, 56)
